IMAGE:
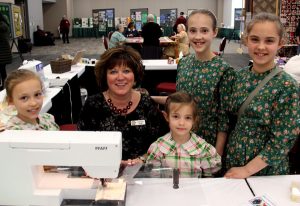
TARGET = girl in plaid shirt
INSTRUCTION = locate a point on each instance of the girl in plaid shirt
(181, 148)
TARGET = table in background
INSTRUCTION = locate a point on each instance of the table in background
(288, 50)
(67, 104)
(277, 188)
(139, 40)
(229, 33)
(84, 32)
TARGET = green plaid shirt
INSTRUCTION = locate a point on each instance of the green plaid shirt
(195, 158)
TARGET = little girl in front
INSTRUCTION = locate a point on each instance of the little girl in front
(24, 90)
(181, 148)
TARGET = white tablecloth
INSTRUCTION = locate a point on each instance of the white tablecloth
(159, 64)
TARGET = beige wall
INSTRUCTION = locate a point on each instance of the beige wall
(219, 13)
(122, 7)
(53, 13)
(8, 1)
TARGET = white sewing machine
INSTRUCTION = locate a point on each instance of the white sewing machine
(23, 154)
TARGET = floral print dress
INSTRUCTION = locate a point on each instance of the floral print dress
(45, 122)
(204, 81)
(96, 115)
(270, 124)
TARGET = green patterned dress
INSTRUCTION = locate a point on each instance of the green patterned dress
(204, 80)
(270, 124)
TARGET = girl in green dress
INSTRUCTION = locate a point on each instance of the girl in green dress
(202, 74)
(269, 126)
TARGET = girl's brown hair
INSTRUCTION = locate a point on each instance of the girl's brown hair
(183, 99)
(16, 77)
(208, 13)
(265, 17)
(119, 56)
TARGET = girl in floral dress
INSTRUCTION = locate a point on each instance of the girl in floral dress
(269, 126)
(25, 91)
(201, 75)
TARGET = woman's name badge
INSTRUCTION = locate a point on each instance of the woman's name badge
(138, 122)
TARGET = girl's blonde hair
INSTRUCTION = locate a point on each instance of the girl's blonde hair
(183, 99)
(16, 77)
(265, 17)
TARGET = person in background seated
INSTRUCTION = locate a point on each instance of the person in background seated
(5, 51)
(43, 38)
(120, 107)
(131, 31)
(180, 20)
(297, 34)
(182, 45)
(24, 90)
(117, 38)
(181, 148)
(64, 29)
(269, 126)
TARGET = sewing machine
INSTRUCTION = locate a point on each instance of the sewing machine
(23, 180)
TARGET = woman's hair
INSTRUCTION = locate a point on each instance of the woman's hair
(208, 13)
(119, 56)
(183, 99)
(18, 76)
(119, 27)
(182, 26)
(130, 24)
(265, 17)
(150, 18)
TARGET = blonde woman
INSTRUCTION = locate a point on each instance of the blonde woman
(182, 42)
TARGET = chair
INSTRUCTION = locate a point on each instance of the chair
(68, 127)
(221, 47)
(166, 88)
(105, 42)
(109, 34)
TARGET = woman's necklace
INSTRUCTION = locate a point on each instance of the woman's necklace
(118, 110)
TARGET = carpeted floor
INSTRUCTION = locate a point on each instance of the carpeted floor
(93, 48)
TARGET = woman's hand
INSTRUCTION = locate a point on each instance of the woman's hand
(249, 169)
(131, 162)
(2, 126)
(237, 173)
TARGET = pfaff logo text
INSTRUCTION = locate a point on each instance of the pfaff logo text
(100, 148)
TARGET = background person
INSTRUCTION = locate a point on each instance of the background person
(64, 29)
(151, 32)
(117, 38)
(5, 52)
(120, 107)
(131, 31)
(181, 148)
(180, 20)
(182, 41)
(43, 38)
(269, 126)
(297, 34)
